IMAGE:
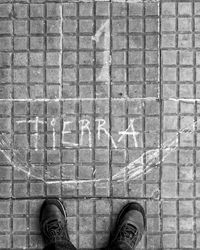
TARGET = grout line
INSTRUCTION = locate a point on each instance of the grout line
(60, 96)
(88, 1)
(110, 191)
(161, 119)
(81, 99)
(28, 125)
(178, 123)
(195, 127)
(45, 94)
(78, 107)
(94, 128)
(12, 130)
(12, 198)
(126, 185)
(143, 157)
(61, 52)
(101, 99)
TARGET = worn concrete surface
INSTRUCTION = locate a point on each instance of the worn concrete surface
(100, 106)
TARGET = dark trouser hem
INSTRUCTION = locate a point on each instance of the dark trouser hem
(60, 245)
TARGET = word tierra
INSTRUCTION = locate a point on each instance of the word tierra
(85, 131)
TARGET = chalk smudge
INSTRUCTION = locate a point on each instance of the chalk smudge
(18, 159)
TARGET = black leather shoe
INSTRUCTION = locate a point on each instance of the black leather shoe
(130, 225)
(53, 222)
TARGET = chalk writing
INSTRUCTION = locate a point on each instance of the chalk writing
(66, 131)
(36, 123)
(101, 123)
(104, 31)
(132, 171)
(85, 132)
(127, 132)
(85, 126)
(53, 123)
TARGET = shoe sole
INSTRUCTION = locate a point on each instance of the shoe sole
(58, 203)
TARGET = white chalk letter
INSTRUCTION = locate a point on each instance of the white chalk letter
(65, 131)
(100, 127)
(53, 123)
(36, 122)
(85, 126)
(104, 29)
(131, 132)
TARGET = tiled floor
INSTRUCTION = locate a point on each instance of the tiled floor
(100, 106)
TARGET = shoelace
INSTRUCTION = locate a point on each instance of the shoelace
(129, 234)
(55, 230)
